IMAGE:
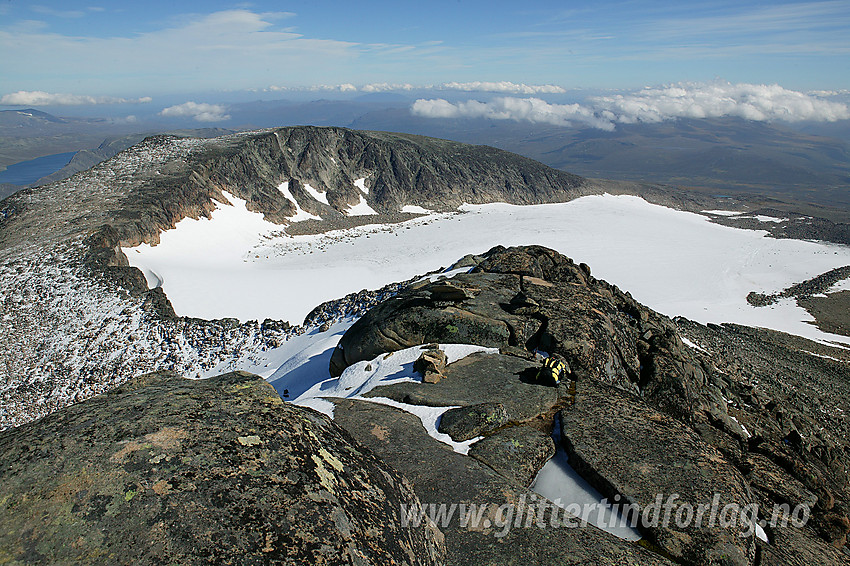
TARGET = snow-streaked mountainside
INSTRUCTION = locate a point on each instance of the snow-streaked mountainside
(329, 173)
(76, 320)
(678, 263)
(236, 220)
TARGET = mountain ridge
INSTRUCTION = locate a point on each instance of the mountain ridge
(78, 321)
(154, 184)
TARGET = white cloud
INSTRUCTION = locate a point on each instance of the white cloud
(199, 112)
(386, 87)
(345, 87)
(191, 55)
(40, 98)
(474, 86)
(829, 93)
(503, 86)
(509, 108)
(682, 100)
(48, 11)
(717, 99)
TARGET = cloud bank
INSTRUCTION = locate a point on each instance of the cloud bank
(40, 98)
(764, 103)
(506, 87)
(700, 100)
(532, 110)
(386, 87)
(200, 112)
(345, 87)
(503, 86)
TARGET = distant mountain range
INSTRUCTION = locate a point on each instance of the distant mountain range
(805, 163)
(725, 155)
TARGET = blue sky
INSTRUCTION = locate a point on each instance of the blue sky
(139, 49)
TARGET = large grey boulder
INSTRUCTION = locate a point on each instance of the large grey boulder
(165, 470)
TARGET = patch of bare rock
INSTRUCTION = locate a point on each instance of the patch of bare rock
(642, 415)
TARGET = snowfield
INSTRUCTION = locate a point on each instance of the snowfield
(87, 338)
(678, 263)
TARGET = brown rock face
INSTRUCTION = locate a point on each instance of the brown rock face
(644, 415)
(534, 298)
(632, 450)
(167, 470)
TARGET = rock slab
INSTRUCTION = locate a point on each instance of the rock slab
(167, 470)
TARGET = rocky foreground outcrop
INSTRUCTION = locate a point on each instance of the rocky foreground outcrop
(165, 470)
(642, 415)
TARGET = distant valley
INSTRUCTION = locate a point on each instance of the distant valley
(805, 164)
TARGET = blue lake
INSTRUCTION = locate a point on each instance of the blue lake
(27, 172)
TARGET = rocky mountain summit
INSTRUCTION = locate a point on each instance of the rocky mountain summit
(643, 413)
(722, 417)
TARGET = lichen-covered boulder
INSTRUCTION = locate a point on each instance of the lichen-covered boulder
(173, 471)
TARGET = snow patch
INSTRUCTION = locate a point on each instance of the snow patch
(394, 367)
(762, 218)
(824, 356)
(446, 274)
(360, 209)
(153, 280)
(843, 285)
(721, 212)
(300, 213)
(692, 345)
(558, 482)
(321, 197)
(743, 428)
(414, 209)
(361, 184)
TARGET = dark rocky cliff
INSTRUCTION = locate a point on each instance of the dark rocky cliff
(398, 170)
(753, 418)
